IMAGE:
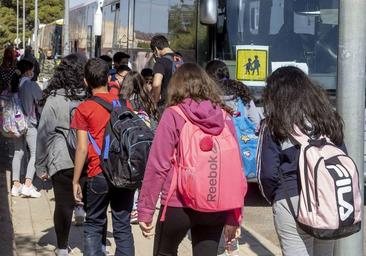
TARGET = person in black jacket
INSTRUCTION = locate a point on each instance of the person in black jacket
(291, 98)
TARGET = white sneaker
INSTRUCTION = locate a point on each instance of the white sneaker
(30, 192)
(15, 191)
(79, 215)
(62, 252)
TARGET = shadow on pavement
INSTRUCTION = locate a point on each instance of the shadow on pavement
(75, 238)
(254, 196)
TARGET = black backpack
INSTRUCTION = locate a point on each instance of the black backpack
(126, 145)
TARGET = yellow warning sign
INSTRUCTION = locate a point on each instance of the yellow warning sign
(252, 63)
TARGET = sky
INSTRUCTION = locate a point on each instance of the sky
(75, 2)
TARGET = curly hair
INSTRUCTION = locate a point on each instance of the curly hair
(191, 81)
(291, 98)
(134, 85)
(69, 75)
(219, 72)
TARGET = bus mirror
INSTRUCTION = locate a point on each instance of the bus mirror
(208, 12)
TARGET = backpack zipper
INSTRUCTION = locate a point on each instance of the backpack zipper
(306, 176)
(316, 181)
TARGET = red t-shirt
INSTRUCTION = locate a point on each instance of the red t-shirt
(93, 118)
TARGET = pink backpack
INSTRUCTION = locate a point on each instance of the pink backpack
(208, 174)
(330, 197)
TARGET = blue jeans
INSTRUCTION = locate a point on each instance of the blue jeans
(98, 196)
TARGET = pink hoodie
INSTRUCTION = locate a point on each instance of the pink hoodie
(159, 169)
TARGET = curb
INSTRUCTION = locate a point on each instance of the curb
(271, 247)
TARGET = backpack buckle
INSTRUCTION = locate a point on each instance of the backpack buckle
(317, 143)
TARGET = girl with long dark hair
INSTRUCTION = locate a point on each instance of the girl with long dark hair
(65, 92)
(137, 92)
(233, 90)
(291, 98)
(7, 68)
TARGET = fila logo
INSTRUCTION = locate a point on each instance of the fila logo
(343, 186)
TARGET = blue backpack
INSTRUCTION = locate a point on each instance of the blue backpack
(248, 140)
(177, 61)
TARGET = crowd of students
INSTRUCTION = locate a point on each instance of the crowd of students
(169, 98)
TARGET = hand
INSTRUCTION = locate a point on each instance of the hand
(78, 194)
(147, 229)
(45, 177)
(231, 233)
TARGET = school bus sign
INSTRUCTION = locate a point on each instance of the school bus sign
(252, 64)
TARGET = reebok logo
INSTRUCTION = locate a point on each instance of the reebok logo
(212, 177)
(343, 186)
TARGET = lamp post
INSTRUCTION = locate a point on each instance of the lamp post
(66, 42)
(36, 27)
(23, 24)
(351, 98)
(17, 40)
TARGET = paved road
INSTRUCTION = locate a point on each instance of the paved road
(27, 229)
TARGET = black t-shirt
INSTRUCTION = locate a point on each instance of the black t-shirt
(164, 66)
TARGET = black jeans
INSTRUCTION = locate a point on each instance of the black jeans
(98, 196)
(206, 229)
(64, 205)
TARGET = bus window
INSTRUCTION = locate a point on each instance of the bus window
(175, 19)
(303, 31)
(108, 26)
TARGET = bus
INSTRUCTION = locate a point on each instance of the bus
(293, 31)
(50, 38)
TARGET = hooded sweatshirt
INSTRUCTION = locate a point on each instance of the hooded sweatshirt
(159, 169)
(30, 93)
(52, 151)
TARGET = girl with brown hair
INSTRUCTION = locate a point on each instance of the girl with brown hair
(198, 98)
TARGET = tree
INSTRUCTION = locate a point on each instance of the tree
(48, 11)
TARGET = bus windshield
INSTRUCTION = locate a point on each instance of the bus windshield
(301, 31)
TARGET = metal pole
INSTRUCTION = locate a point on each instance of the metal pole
(66, 30)
(17, 40)
(24, 24)
(351, 98)
(36, 28)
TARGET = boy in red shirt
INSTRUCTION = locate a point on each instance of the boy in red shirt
(92, 118)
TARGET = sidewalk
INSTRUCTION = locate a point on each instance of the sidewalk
(27, 226)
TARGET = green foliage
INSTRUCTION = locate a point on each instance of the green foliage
(48, 11)
(182, 26)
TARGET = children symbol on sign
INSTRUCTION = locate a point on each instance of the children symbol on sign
(252, 66)
(248, 67)
(255, 65)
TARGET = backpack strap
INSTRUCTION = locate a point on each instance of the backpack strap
(299, 136)
(172, 189)
(94, 143)
(108, 106)
(174, 183)
(180, 112)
